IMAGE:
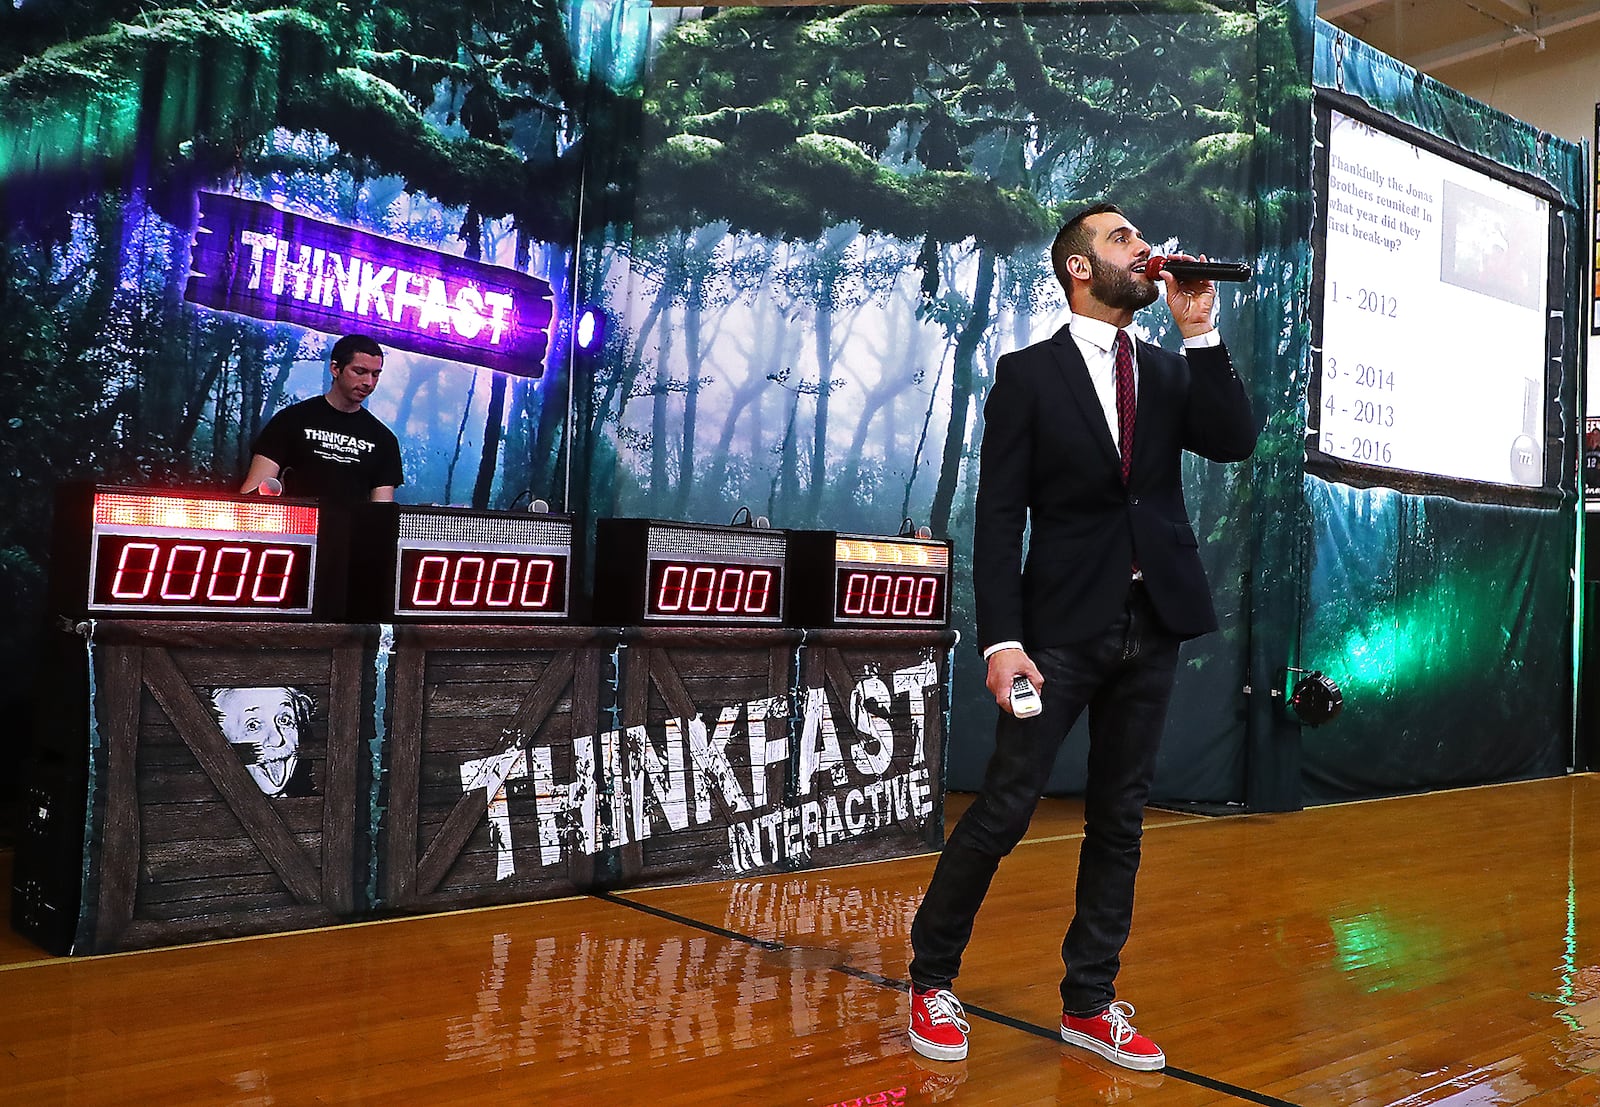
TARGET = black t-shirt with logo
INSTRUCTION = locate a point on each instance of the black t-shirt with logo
(324, 452)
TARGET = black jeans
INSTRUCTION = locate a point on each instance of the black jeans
(1124, 677)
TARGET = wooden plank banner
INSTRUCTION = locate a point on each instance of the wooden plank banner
(230, 763)
(873, 737)
(747, 751)
(706, 744)
(490, 763)
(254, 778)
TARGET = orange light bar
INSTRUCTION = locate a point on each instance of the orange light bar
(875, 552)
(180, 512)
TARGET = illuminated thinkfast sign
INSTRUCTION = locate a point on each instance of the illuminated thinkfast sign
(258, 260)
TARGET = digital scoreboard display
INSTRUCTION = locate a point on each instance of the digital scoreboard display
(860, 580)
(450, 564)
(209, 554)
(650, 572)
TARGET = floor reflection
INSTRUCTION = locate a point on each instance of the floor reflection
(591, 1000)
(805, 906)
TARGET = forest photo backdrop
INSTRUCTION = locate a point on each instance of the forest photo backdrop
(811, 231)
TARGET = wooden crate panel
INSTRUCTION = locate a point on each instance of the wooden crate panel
(205, 922)
(705, 751)
(861, 773)
(490, 767)
(886, 702)
(228, 781)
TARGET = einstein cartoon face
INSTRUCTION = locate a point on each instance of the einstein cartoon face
(263, 725)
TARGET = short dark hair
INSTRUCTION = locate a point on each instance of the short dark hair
(1074, 238)
(351, 345)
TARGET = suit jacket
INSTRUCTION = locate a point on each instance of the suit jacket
(1048, 460)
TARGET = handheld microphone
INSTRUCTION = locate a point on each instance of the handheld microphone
(1197, 270)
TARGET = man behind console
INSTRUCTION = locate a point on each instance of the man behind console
(331, 446)
(1088, 453)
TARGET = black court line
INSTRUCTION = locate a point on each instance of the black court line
(1048, 1033)
(672, 916)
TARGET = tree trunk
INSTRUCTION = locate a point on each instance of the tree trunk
(692, 354)
(764, 364)
(492, 425)
(547, 403)
(819, 442)
(785, 483)
(516, 449)
(461, 433)
(408, 399)
(495, 423)
(961, 394)
(189, 421)
(621, 387)
(659, 489)
(922, 437)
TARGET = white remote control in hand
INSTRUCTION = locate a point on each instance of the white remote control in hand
(1024, 698)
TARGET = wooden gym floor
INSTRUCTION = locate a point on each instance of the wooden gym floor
(1435, 949)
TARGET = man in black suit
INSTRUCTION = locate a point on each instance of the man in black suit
(1112, 585)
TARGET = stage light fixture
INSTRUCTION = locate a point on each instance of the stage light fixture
(590, 333)
(1315, 698)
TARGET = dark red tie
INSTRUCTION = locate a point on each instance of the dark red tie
(1123, 357)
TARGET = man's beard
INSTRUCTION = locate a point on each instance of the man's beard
(1118, 288)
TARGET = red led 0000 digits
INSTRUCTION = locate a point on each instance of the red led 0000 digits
(698, 588)
(197, 573)
(450, 581)
(891, 595)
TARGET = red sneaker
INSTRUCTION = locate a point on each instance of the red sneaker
(1110, 1035)
(938, 1031)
